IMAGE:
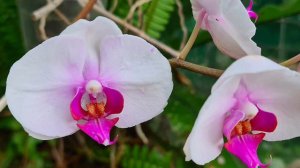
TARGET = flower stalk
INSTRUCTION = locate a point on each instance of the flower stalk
(86, 10)
(3, 103)
(183, 54)
(291, 61)
(178, 63)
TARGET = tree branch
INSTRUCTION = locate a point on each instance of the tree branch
(45, 10)
(138, 32)
(3, 103)
(86, 10)
(291, 61)
(178, 63)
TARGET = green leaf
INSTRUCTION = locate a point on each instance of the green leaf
(157, 17)
(144, 157)
(275, 12)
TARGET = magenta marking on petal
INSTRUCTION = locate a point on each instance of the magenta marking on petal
(245, 148)
(250, 5)
(75, 106)
(264, 121)
(99, 130)
(231, 121)
(251, 13)
(114, 101)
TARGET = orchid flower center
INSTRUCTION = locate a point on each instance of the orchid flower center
(250, 110)
(91, 107)
(239, 126)
(93, 87)
(96, 106)
(243, 127)
(96, 110)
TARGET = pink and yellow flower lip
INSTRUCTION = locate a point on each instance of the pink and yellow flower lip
(245, 129)
(94, 119)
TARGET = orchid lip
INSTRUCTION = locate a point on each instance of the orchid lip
(239, 126)
(245, 148)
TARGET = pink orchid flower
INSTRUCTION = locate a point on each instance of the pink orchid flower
(229, 25)
(91, 77)
(254, 100)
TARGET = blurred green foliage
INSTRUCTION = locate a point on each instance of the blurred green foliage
(11, 43)
(277, 33)
(157, 16)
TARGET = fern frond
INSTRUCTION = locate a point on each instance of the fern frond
(157, 17)
(144, 157)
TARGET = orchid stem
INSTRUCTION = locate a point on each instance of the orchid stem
(291, 61)
(141, 134)
(86, 10)
(45, 10)
(178, 63)
(3, 103)
(183, 54)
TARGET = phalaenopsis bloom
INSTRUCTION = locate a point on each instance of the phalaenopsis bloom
(91, 77)
(229, 24)
(254, 100)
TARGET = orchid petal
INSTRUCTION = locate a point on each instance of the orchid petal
(245, 148)
(206, 139)
(40, 86)
(264, 121)
(76, 110)
(114, 101)
(231, 121)
(278, 92)
(92, 33)
(99, 130)
(229, 25)
(140, 73)
(249, 65)
(230, 40)
(211, 7)
(38, 136)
